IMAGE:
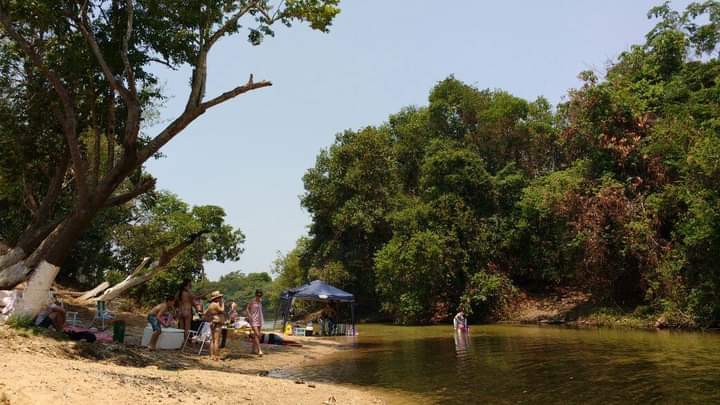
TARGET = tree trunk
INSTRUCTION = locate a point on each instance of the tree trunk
(12, 257)
(43, 265)
(135, 278)
(105, 285)
(35, 296)
(131, 281)
(95, 291)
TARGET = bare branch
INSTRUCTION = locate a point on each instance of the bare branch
(231, 22)
(163, 62)
(250, 85)
(95, 48)
(95, 170)
(190, 114)
(199, 74)
(119, 199)
(110, 131)
(141, 266)
(169, 254)
(126, 41)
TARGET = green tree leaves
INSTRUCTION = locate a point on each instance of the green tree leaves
(615, 191)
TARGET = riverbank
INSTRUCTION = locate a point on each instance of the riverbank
(38, 367)
(576, 308)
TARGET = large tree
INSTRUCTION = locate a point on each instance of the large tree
(88, 61)
(615, 192)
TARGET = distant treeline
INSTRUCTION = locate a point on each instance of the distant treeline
(462, 202)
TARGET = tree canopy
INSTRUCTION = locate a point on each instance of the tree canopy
(461, 202)
(79, 88)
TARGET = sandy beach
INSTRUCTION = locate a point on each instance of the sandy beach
(40, 368)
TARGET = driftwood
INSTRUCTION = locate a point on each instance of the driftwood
(141, 275)
(136, 278)
(95, 291)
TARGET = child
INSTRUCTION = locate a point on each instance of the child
(154, 319)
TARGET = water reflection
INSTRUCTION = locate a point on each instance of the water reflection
(516, 364)
(462, 339)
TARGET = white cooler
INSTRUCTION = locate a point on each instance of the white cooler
(170, 338)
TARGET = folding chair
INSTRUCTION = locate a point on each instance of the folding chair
(102, 314)
(71, 317)
(203, 334)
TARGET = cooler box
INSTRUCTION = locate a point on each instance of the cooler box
(170, 338)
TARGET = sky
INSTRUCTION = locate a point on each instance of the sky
(248, 155)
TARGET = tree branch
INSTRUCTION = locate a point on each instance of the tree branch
(120, 199)
(132, 124)
(189, 115)
(231, 22)
(162, 62)
(54, 189)
(95, 170)
(80, 22)
(126, 41)
(110, 131)
(140, 267)
(170, 254)
(250, 85)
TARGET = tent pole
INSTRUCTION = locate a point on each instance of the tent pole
(352, 316)
(277, 313)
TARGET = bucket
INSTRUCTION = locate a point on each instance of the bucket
(119, 331)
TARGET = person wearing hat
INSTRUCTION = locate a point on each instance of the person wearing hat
(215, 314)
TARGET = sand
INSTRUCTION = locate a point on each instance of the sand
(45, 369)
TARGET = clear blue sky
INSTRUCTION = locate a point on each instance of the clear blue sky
(249, 154)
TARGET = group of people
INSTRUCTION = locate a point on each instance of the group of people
(216, 314)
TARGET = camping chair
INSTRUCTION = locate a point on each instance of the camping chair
(203, 334)
(102, 314)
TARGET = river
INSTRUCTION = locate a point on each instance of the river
(512, 364)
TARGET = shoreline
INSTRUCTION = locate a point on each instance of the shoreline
(572, 308)
(68, 372)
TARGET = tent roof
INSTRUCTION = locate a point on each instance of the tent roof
(318, 291)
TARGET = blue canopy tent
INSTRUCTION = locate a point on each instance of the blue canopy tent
(315, 291)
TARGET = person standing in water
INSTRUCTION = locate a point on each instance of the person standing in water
(460, 321)
(185, 303)
(254, 313)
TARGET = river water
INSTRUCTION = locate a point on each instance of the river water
(512, 364)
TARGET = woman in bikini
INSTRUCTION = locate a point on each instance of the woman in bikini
(255, 318)
(215, 314)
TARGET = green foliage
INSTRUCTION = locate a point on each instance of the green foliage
(616, 191)
(240, 288)
(20, 321)
(161, 221)
(69, 74)
(487, 294)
